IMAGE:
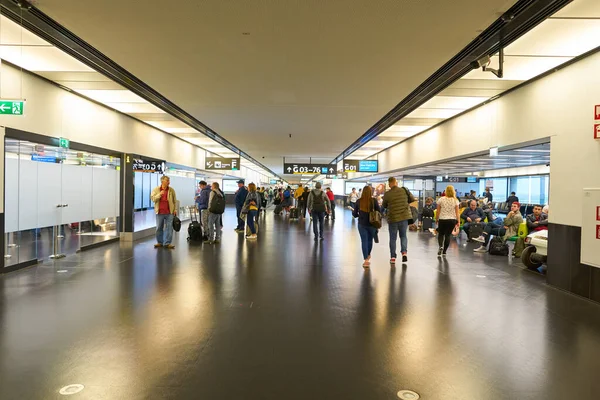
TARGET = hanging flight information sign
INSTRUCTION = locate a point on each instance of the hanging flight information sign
(308, 169)
(361, 166)
(221, 163)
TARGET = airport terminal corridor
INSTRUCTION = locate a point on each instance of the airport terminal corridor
(285, 317)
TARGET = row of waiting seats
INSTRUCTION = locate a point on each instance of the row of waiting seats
(503, 208)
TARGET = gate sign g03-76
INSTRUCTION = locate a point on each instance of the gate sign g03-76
(308, 169)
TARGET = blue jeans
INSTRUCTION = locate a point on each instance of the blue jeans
(214, 226)
(396, 228)
(367, 234)
(318, 216)
(240, 222)
(250, 218)
(164, 229)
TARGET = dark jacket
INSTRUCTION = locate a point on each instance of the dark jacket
(488, 196)
(363, 217)
(473, 214)
(240, 197)
(304, 197)
(542, 222)
(512, 199)
(396, 202)
(203, 198)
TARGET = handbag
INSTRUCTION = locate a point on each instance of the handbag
(456, 231)
(410, 220)
(374, 217)
(176, 223)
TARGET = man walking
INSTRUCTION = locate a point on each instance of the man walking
(397, 202)
(240, 199)
(165, 206)
(202, 205)
(216, 208)
(318, 205)
(331, 198)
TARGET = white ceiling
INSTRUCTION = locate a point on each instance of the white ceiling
(522, 157)
(570, 32)
(259, 71)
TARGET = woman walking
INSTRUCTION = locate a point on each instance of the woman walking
(362, 209)
(252, 207)
(447, 218)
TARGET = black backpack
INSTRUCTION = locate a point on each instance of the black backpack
(217, 205)
(427, 212)
(498, 247)
(318, 204)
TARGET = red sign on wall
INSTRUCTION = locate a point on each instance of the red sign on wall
(598, 213)
(597, 112)
(597, 231)
(597, 131)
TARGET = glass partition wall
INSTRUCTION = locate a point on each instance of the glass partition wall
(57, 200)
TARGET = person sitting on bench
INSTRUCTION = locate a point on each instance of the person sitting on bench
(508, 230)
(472, 214)
(537, 221)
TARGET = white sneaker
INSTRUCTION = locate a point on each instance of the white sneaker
(252, 237)
(480, 249)
(480, 239)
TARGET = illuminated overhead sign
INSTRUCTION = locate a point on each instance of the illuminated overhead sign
(308, 169)
(361, 166)
(145, 165)
(222, 164)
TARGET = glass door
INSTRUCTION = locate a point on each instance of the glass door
(57, 201)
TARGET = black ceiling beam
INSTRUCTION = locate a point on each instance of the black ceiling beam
(518, 20)
(34, 20)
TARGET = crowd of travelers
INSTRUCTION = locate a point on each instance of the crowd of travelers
(369, 206)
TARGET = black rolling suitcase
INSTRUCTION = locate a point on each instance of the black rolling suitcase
(278, 209)
(194, 228)
(295, 213)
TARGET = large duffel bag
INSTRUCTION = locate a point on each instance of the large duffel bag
(476, 230)
(498, 247)
(278, 209)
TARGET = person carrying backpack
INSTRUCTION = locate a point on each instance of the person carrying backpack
(287, 199)
(216, 208)
(318, 205)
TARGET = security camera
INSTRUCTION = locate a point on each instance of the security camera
(482, 62)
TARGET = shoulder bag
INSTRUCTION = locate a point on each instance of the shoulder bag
(410, 220)
(374, 217)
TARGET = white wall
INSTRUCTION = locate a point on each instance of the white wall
(559, 106)
(55, 112)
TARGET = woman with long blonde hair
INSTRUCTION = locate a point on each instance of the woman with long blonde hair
(446, 219)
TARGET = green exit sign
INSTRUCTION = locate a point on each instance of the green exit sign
(11, 107)
(64, 143)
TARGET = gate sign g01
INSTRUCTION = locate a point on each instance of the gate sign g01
(308, 169)
(361, 166)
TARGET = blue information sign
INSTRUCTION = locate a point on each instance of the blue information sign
(48, 159)
(368, 166)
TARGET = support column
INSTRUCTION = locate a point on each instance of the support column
(126, 202)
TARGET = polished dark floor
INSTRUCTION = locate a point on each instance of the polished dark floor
(287, 318)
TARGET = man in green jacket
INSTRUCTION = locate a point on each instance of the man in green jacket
(165, 206)
(397, 202)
